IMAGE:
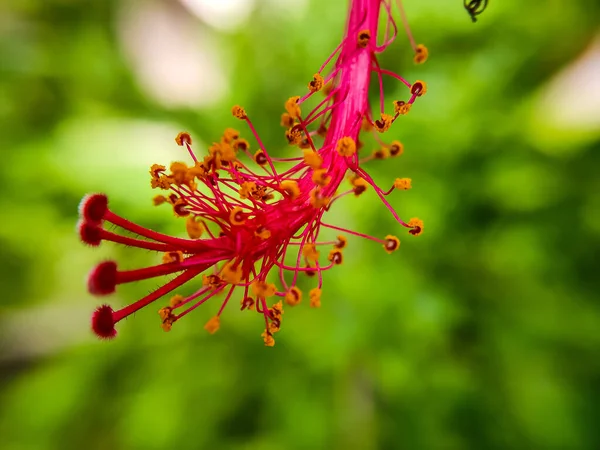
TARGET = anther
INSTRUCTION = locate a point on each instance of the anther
(212, 326)
(402, 183)
(363, 39)
(401, 107)
(183, 138)
(416, 226)
(293, 296)
(260, 158)
(384, 123)
(421, 54)
(239, 112)
(291, 189)
(335, 256)
(346, 146)
(418, 88)
(392, 243)
(315, 298)
(396, 148)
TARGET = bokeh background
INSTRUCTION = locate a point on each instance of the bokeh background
(484, 333)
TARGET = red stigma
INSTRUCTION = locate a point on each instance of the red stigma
(103, 278)
(103, 323)
(93, 207)
(90, 233)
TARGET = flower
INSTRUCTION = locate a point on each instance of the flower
(244, 214)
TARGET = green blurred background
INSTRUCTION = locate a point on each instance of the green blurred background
(484, 333)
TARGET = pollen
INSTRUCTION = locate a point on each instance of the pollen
(176, 300)
(230, 135)
(384, 123)
(172, 257)
(237, 216)
(293, 108)
(402, 183)
(363, 39)
(316, 84)
(421, 54)
(320, 177)
(213, 324)
(232, 273)
(268, 338)
(239, 112)
(418, 88)
(262, 233)
(212, 281)
(396, 148)
(291, 189)
(335, 256)
(262, 289)
(293, 296)
(183, 138)
(241, 144)
(247, 303)
(392, 243)
(159, 200)
(380, 153)
(310, 252)
(416, 226)
(341, 243)
(312, 159)
(317, 200)
(359, 184)
(260, 158)
(294, 135)
(346, 146)
(315, 298)
(401, 107)
(287, 121)
(194, 227)
(247, 189)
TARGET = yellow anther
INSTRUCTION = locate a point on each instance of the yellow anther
(320, 177)
(241, 145)
(366, 125)
(176, 300)
(159, 200)
(293, 108)
(227, 153)
(239, 112)
(198, 171)
(401, 107)
(212, 281)
(317, 200)
(287, 121)
(418, 88)
(346, 146)
(268, 338)
(293, 296)
(213, 324)
(316, 84)
(364, 37)
(172, 257)
(247, 303)
(315, 298)
(384, 123)
(164, 312)
(402, 183)
(335, 256)
(178, 172)
(247, 189)
(294, 135)
(262, 289)
(183, 138)
(291, 189)
(304, 144)
(237, 216)
(421, 54)
(359, 184)
(310, 252)
(416, 226)
(312, 159)
(260, 158)
(396, 148)
(230, 135)
(341, 243)
(392, 243)
(381, 153)
(232, 273)
(180, 208)
(194, 227)
(276, 310)
(156, 170)
(262, 233)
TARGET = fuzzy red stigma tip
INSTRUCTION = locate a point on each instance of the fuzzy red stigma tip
(89, 233)
(93, 207)
(103, 278)
(103, 323)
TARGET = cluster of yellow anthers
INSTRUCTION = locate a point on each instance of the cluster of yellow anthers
(243, 219)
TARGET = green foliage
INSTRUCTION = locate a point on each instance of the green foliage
(482, 333)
